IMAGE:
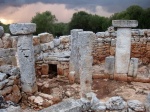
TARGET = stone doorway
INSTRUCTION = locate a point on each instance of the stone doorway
(52, 70)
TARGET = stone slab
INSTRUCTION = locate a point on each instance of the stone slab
(133, 67)
(22, 28)
(125, 23)
(109, 65)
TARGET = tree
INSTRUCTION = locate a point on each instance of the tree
(85, 21)
(44, 21)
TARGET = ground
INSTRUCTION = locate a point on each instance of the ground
(107, 88)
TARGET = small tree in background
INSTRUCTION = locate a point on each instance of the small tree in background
(44, 21)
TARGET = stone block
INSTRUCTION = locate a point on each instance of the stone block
(7, 52)
(36, 40)
(147, 103)
(37, 49)
(133, 67)
(113, 42)
(45, 69)
(148, 46)
(148, 32)
(7, 41)
(1, 31)
(1, 43)
(45, 37)
(56, 42)
(109, 65)
(125, 23)
(14, 41)
(64, 39)
(100, 34)
(22, 28)
(3, 76)
(69, 105)
(112, 51)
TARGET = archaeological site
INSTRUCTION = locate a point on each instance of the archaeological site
(81, 72)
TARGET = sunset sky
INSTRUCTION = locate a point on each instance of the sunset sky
(12, 11)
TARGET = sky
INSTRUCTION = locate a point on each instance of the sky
(13, 11)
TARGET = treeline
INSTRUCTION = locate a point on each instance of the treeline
(47, 22)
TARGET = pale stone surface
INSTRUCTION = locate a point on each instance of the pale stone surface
(36, 40)
(1, 31)
(45, 37)
(56, 42)
(125, 23)
(7, 41)
(26, 62)
(85, 45)
(22, 28)
(133, 67)
(1, 43)
(147, 103)
(69, 105)
(123, 49)
(116, 103)
(74, 56)
(7, 52)
(109, 65)
(2, 76)
(136, 105)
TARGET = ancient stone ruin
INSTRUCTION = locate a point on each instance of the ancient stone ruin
(49, 74)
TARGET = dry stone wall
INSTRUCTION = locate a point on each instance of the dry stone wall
(105, 45)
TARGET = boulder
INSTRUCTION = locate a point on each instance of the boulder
(1, 31)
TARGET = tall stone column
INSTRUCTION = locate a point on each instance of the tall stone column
(85, 43)
(74, 57)
(123, 46)
(25, 53)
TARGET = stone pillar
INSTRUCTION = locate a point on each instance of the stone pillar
(85, 45)
(25, 52)
(123, 46)
(74, 57)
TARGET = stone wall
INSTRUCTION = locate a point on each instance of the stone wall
(105, 44)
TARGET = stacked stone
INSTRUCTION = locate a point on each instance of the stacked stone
(139, 45)
(104, 45)
(10, 83)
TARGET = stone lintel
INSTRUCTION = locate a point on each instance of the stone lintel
(125, 23)
(22, 28)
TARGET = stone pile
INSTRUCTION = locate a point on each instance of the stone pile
(10, 83)
(92, 104)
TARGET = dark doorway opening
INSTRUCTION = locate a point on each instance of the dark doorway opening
(52, 70)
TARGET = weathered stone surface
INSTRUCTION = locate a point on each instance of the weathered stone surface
(123, 45)
(45, 69)
(26, 62)
(6, 90)
(116, 103)
(9, 69)
(1, 43)
(22, 28)
(14, 41)
(7, 41)
(136, 105)
(113, 42)
(56, 42)
(125, 23)
(65, 106)
(3, 83)
(100, 34)
(1, 31)
(147, 103)
(71, 77)
(37, 49)
(64, 39)
(45, 37)
(109, 65)
(36, 40)
(74, 56)
(7, 52)
(133, 67)
(85, 45)
(2, 76)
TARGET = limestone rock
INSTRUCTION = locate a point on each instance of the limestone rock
(22, 28)
(125, 23)
(133, 67)
(36, 40)
(64, 39)
(1, 43)
(116, 103)
(45, 37)
(7, 41)
(147, 103)
(45, 69)
(39, 100)
(2, 76)
(56, 42)
(136, 105)
(1, 31)
(7, 52)
(6, 90)
(3, 83)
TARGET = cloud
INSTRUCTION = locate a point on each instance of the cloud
(109, 5)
